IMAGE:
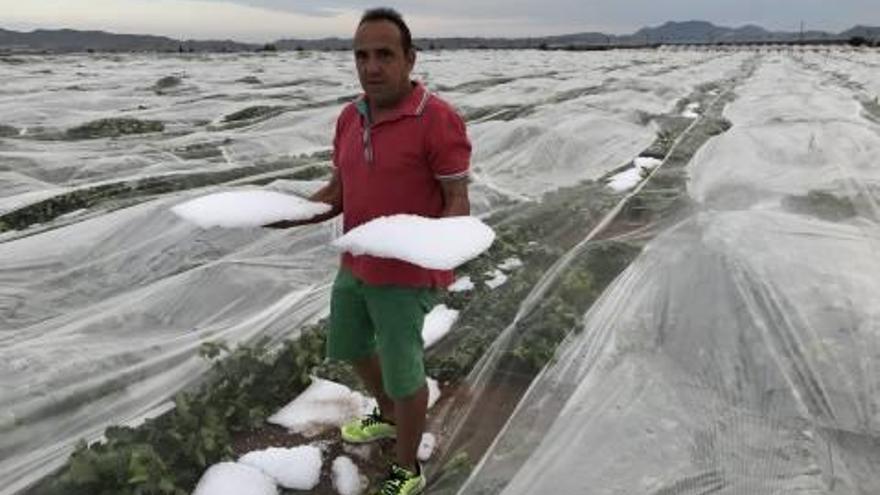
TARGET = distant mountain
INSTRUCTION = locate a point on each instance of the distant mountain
(318, 44)
(457, 42)
(68, 40)
(867, 32)
(706, 32)
(686, 32)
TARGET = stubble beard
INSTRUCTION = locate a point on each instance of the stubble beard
(389, 97)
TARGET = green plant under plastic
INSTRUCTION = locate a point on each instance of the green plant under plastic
(168, 454)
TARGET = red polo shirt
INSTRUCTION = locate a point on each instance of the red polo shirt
(395, 166)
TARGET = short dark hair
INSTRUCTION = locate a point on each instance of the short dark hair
(390, 15)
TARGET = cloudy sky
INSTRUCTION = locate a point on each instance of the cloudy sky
(268, 20)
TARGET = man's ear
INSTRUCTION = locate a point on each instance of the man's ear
(411, 57)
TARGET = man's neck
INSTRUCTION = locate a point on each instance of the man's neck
(378, 113)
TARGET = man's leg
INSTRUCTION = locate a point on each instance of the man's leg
(411, 412)
(398, 314)
(351, 337)
(370, 373)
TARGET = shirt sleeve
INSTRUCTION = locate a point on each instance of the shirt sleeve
(449, 150)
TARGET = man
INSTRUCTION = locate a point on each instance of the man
(397, 149)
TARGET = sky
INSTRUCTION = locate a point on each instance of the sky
(269, 20)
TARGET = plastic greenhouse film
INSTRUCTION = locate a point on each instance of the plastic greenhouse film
(738, 353)
(710, 325)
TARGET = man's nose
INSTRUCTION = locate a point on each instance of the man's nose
(371, 65)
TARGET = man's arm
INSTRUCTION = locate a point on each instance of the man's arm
(330, 194)
(455, 197)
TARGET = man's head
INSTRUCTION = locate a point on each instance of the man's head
(384, 56)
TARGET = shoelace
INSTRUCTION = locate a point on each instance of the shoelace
(374, 418)
(395, 481)
(392, 486)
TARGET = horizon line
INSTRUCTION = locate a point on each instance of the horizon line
(521, 37)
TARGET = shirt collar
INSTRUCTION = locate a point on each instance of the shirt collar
(411, 106)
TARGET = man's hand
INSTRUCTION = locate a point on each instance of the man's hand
(330, 194)
(283, 224)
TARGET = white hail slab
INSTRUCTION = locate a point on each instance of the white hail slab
(346, 476)
(230, 478)
(250, 208)
(462, 284)
(426, 447)
(323, 404)
(630, 177)
(326, 404)
(437, 324)
(434, 243)
(498, 279)
(510, 264)
(297, 468)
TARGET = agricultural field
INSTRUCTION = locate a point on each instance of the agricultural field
(692, 305)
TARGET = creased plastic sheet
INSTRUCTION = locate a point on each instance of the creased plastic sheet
(708, 368)
(590, 122)
(103, 309)
(102, 314)
(738, 354)
(105, 323)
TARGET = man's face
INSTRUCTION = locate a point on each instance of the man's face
(382, 65)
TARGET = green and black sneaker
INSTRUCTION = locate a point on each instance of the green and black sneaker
(368, 429)
(402, 481)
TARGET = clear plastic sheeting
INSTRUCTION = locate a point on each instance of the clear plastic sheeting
(736, 354)
(578, 122)
(739, 353)
(103, 308)
(716, 362)
(103, 325)
(512, 146)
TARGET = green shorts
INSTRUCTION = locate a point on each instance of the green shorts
(384, 320)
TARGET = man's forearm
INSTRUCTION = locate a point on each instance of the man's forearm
(327, 194)
(456, 206)
(455, 198)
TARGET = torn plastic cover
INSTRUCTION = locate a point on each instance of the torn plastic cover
(739, 352)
